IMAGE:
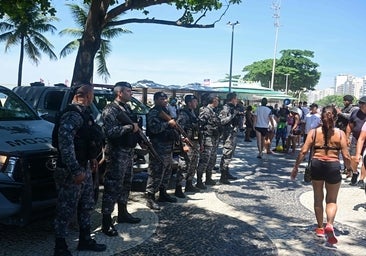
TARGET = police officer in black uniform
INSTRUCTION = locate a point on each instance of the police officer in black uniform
(79, 142)
(162, 135)
(120, 126)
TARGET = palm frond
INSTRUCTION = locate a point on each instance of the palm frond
(45, 46)
(76, 32)
(110, 33)
(102, 69)
(6, 26)
(79, 13)
(31, 50)
(69, 48)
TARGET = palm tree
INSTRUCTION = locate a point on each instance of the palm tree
(27, 29)
(80, 14)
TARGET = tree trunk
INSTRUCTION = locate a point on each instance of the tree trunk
(90, 42)
(21, 58)
(84, 63)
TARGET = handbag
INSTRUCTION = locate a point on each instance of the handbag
(307, 174)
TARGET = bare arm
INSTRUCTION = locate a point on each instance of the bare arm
(360, 142)
(348, 132)
(344, 150)
(254, 121)
(305, 148)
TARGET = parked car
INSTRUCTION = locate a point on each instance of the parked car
(27, 161)
(50, 100)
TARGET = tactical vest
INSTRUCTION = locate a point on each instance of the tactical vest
(168, 135)
(192, 129)
(127, 140)
(88, 140)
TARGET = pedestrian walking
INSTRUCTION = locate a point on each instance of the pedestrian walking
(78, 142)
(360, 150)
(327, 141)
(248, 123)
(262, 121)
(312, 119)
(293, 129)
(353, 130)
(120, 126)
(281, 131)
(162, 135)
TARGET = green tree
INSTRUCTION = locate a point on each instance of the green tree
(27, 29)
(14, 8)
(103, 12)
(297, 64)
(259, 71)
(337, 100)
(80, 14)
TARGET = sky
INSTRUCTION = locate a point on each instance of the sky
(332, 29)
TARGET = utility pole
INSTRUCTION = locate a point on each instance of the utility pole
(276, 5)
(287, 82)
(231, 55)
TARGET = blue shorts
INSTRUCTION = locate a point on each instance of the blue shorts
(326, 170)
(281, 132)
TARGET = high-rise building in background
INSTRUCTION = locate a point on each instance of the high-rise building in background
(343, 84)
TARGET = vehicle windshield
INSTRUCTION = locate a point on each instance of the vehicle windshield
(13, 108)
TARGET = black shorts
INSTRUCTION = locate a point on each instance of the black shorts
(326, 170)
(263, 131)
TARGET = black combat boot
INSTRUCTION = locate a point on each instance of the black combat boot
(151, 202)
(164, 197)
(230, 177)
(61, 248)
(209, 181)
(86, 243)
(107, 226)
(124, 216)
(190, 187)
(223, 178)
(179, 192)
(200, 184)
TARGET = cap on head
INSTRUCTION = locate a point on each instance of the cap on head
(189, 98)
(362, 99)
(294, 110)
(314, 105)
(159, 95)
(348, 98)
(123, 84)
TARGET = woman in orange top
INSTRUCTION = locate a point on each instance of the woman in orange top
(325, 165)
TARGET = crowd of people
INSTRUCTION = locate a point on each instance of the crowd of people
(196, 131)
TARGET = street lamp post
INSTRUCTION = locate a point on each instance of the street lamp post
(232, 47)
(287, 82)
(276, 7)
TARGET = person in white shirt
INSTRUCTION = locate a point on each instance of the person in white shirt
(262, 121)
(173, 108)
(312, 119)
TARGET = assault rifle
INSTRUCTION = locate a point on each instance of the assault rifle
(179, 128)
(124, 118)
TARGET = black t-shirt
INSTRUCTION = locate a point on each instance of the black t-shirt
(357, 118)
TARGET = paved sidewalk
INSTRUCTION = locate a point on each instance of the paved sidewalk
(261, 213)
